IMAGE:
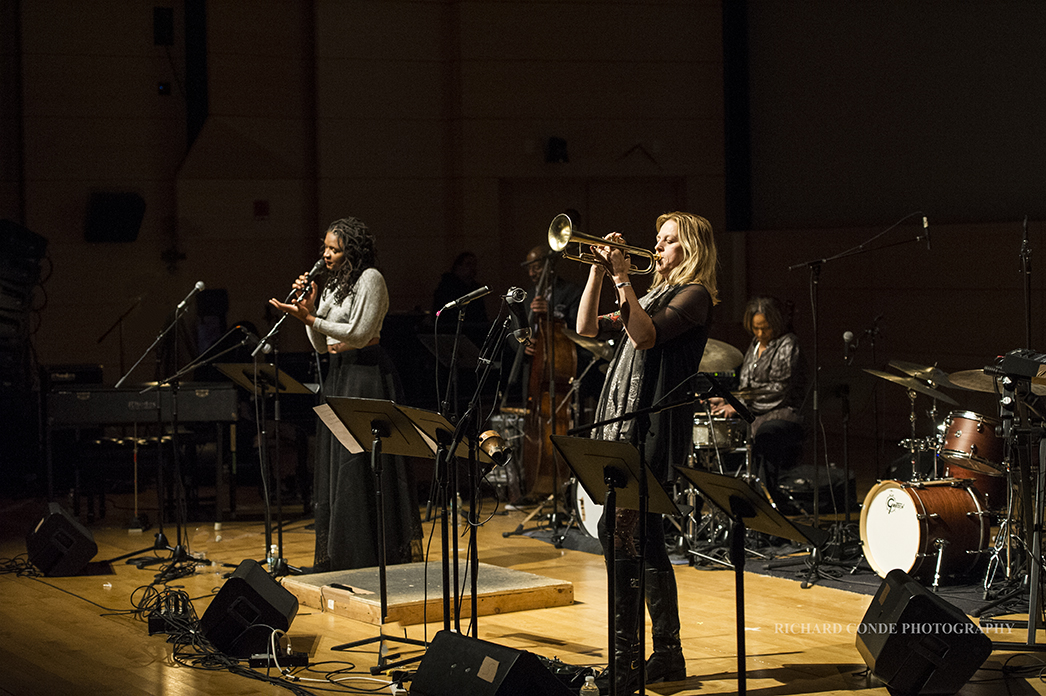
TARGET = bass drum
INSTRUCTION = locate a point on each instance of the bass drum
(587, 510)
(905, 525)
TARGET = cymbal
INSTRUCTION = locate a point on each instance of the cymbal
(974, 380)
(720, 357)
(913, 384)
(601, 349)
(928, 374)
(978, 380)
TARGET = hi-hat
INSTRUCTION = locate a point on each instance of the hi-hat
(928, 374)
(720, 357)
(600, 349)
(913, 384)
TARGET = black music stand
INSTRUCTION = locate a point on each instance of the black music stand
(265, 382)
(749, 509)
(386, 428)
(608, 469)
(261, 380)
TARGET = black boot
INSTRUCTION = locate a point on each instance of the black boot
(627, 611)
(667, 663)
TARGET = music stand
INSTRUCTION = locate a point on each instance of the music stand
(608, 469)
(387, 428)
(261, 380)
(266, 382)
(748, 509)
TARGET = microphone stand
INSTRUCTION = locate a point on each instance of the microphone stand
(161, 542)
(1025, 255)
(467, 427)
(118, 327)
(814, 266)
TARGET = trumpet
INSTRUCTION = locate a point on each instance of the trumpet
(561, 233)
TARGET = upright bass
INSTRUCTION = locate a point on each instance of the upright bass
(553, 366)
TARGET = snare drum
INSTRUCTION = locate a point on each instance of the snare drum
(588, 511)
(905, 525)
(723, 433)
(970, 442)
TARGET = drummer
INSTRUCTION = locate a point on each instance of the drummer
(774, 366)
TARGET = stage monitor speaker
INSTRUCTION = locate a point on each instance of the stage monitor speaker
(916, 642)
(455, 665)
(59, 544)
(242, 616)
(114, 217)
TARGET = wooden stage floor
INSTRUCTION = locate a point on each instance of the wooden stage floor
(71, 635)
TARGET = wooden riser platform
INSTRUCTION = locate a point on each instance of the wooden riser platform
(355, 594)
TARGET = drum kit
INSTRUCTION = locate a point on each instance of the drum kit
(939, 524)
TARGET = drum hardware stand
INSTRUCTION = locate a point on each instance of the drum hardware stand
(938, 544)
(1003, 539)
(1032, 488)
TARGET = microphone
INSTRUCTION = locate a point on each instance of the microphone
(848, 337)
(516, 297)
(465, 299)
(495, 447)
(196, 288)
(262, 347)
(317, 268)
(926, 229)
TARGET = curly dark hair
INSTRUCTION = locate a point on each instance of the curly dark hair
(360, 254)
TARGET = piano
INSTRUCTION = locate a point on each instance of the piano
(88, 406)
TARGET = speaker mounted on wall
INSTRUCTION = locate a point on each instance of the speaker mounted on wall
(59, 545)
(916, 642)
(455, 665)
(114, 217)
(241, 617)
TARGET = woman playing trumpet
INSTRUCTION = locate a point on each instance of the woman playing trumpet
(667, 330)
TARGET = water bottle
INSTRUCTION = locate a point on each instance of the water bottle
(589, 688)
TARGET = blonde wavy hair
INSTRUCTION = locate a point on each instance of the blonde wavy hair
(700, 260)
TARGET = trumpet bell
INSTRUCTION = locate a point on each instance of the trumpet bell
(559, 232)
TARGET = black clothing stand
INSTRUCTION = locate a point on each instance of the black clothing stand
(612, 473)
(747, 508)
